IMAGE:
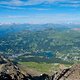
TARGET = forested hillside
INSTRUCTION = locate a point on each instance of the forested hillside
(42, 42)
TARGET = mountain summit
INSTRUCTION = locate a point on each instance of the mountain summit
(10, 71)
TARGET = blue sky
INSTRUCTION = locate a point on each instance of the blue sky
(40, 11)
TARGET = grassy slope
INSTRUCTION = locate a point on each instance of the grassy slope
(45, 67)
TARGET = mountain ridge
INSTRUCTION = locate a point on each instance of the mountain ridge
(9, 71)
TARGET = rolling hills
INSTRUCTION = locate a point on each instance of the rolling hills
(54, 43)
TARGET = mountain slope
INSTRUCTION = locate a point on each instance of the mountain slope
(10, 71)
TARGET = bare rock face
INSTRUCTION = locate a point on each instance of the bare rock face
(9, 71)
(72, 73)
(12, 70)
(3, 60)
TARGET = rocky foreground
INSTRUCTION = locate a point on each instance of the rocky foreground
(10, 71)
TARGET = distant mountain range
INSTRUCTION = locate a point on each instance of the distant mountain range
(10, 28)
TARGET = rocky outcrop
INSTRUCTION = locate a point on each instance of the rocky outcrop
(72, 73)
(10, 71)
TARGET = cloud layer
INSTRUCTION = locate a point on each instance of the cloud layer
(68, 3)
(28, 2)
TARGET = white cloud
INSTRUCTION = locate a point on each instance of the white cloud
(12, 2)
(14, 17)
(29, 2)
(12, 7)
(73, 3)
(70, 5)
(20, 8)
